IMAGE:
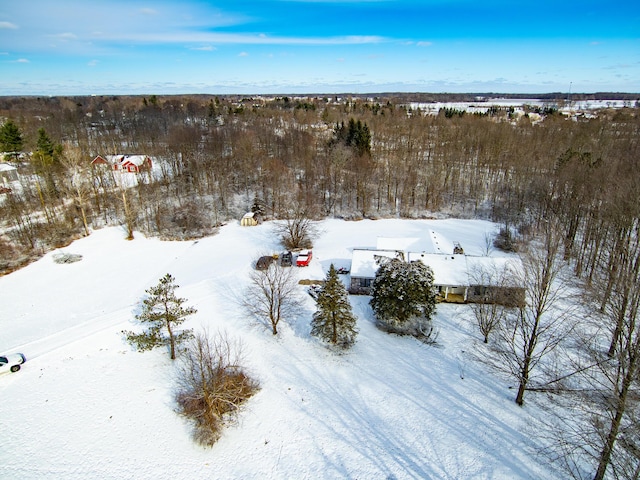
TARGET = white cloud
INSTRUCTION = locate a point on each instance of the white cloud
(93, 63)
(246, 39)
(8, 26)
(424, 44)
(65, 36)
(243, 54)
(205, 48)
(22, 60)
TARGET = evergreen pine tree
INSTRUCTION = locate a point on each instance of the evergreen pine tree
(334, 321)
(10, 137)
(46, 161)
(403, 298)
(44, 144)
(355, 134)
(258, 206)
(161, 310)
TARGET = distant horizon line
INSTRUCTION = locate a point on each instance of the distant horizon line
(551, 94)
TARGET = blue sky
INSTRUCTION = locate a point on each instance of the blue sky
(78, 47)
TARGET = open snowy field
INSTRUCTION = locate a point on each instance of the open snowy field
(484, 104)
(86, 405)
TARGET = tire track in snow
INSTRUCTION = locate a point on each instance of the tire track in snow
(54, 341)
(48, 344)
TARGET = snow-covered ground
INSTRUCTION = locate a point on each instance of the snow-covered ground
(484, 104)
(86, 405)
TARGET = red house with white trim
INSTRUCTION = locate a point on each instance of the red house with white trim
(124, 163)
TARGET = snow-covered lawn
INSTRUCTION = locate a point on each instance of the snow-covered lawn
(85, 405)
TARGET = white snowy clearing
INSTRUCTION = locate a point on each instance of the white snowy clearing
(86, 405)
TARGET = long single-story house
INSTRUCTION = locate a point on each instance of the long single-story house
(458, 277)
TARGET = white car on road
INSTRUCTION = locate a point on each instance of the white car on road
(11, 362)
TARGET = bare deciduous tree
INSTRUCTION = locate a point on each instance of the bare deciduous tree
(128, 215)
(271, 295)
(298, 230)
(623, 372)
(488, 307)
(78, 184)
(537, 327)
(212, 384)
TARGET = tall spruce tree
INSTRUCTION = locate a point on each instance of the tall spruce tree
(161, 310)
(47, 161)
(10, 137)
(403, 298)
(44, 143)
(334, 321)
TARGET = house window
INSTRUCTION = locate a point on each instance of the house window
(361, 282)
(480, 290)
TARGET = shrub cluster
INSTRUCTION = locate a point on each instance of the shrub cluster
(212, 385)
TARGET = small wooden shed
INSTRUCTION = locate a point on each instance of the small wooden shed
(250, 219)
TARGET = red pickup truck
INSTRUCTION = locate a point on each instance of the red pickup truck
(304, 257)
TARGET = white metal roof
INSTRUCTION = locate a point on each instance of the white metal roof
(493, 271)
(364, 264)
(448, 270)
(404, 244)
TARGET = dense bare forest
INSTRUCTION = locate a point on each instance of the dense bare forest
(216, 158)
(573, 178)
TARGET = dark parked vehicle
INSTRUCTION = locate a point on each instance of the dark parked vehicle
(287, 259)
(264, 262)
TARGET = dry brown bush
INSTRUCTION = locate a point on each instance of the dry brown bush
(213, 386)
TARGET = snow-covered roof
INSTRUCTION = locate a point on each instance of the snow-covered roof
(364, 262)
(249, 215)
(403, 244)
(440, 243)
(462, 270)
(433, 242)
(448, 270)
(120, 159)
(494, 271)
